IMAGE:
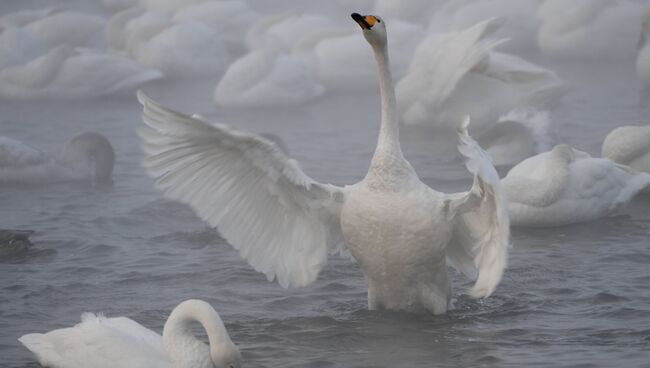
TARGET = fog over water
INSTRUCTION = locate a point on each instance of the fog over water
(574, 296)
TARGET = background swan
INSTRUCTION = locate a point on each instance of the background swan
(268, 77)
(101, 342)
(231, 19)
(643, 57)
(520, 26)
(519, 134)
(66, 73)
(456, 74)
(630, 146)
(85, 156)
(588, 29)
(280, 69)
(566, 186)
(177, 48)
(397, 228)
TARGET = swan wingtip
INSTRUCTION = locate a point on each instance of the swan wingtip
(142, 97)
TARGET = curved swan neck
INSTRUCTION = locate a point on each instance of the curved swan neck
(178, 339)
(389, 130)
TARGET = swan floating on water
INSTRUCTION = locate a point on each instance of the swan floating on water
(85, 156)
(566, 186)
(102, 342)
(176, 48)
(66, 73)
(459, 73)
(400, 231)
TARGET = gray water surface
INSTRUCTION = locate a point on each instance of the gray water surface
(575, 296)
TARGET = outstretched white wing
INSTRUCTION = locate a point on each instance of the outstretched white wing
(479, 247)
(281, 221)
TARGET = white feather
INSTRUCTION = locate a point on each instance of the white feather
(565, 186)
(479, 247)
(282, 222)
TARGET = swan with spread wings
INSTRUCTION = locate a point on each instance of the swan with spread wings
(400, 231)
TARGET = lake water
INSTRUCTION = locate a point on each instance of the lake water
(574, 296)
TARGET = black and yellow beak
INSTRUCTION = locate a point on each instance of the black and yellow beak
(365, 22)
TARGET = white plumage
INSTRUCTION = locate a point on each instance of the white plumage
(630, 146)
(285, 224)
(566, 186)
(101, 342)
(66, 73)
(643, 57)
(459, 73)
(588, 29)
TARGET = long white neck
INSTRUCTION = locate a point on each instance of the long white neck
(182, 347)
(389, 170)
(389, 131)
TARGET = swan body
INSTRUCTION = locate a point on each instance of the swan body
(588, 29)
(102, 342)
(230, 18)
(458, 73)
(284, 223)
(280, 69)
(70, 28)
(268, 77)
(66, 73)
(85, 156)
(176, 48)
(565, 186)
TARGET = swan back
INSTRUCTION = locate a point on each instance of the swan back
(185, 350)
(84, 150)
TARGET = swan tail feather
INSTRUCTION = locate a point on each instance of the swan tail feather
(42, 348)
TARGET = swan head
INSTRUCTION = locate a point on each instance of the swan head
(564, 152)
(374, 28)
(231, 358)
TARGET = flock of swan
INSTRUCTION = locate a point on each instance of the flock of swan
(401, 232)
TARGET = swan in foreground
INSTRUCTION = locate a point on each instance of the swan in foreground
(284, 223)
(629, 146)
(101, 342)
(566, 186)
(85, 156)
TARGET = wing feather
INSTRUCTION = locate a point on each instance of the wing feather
(479, 247)
(281, 221)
